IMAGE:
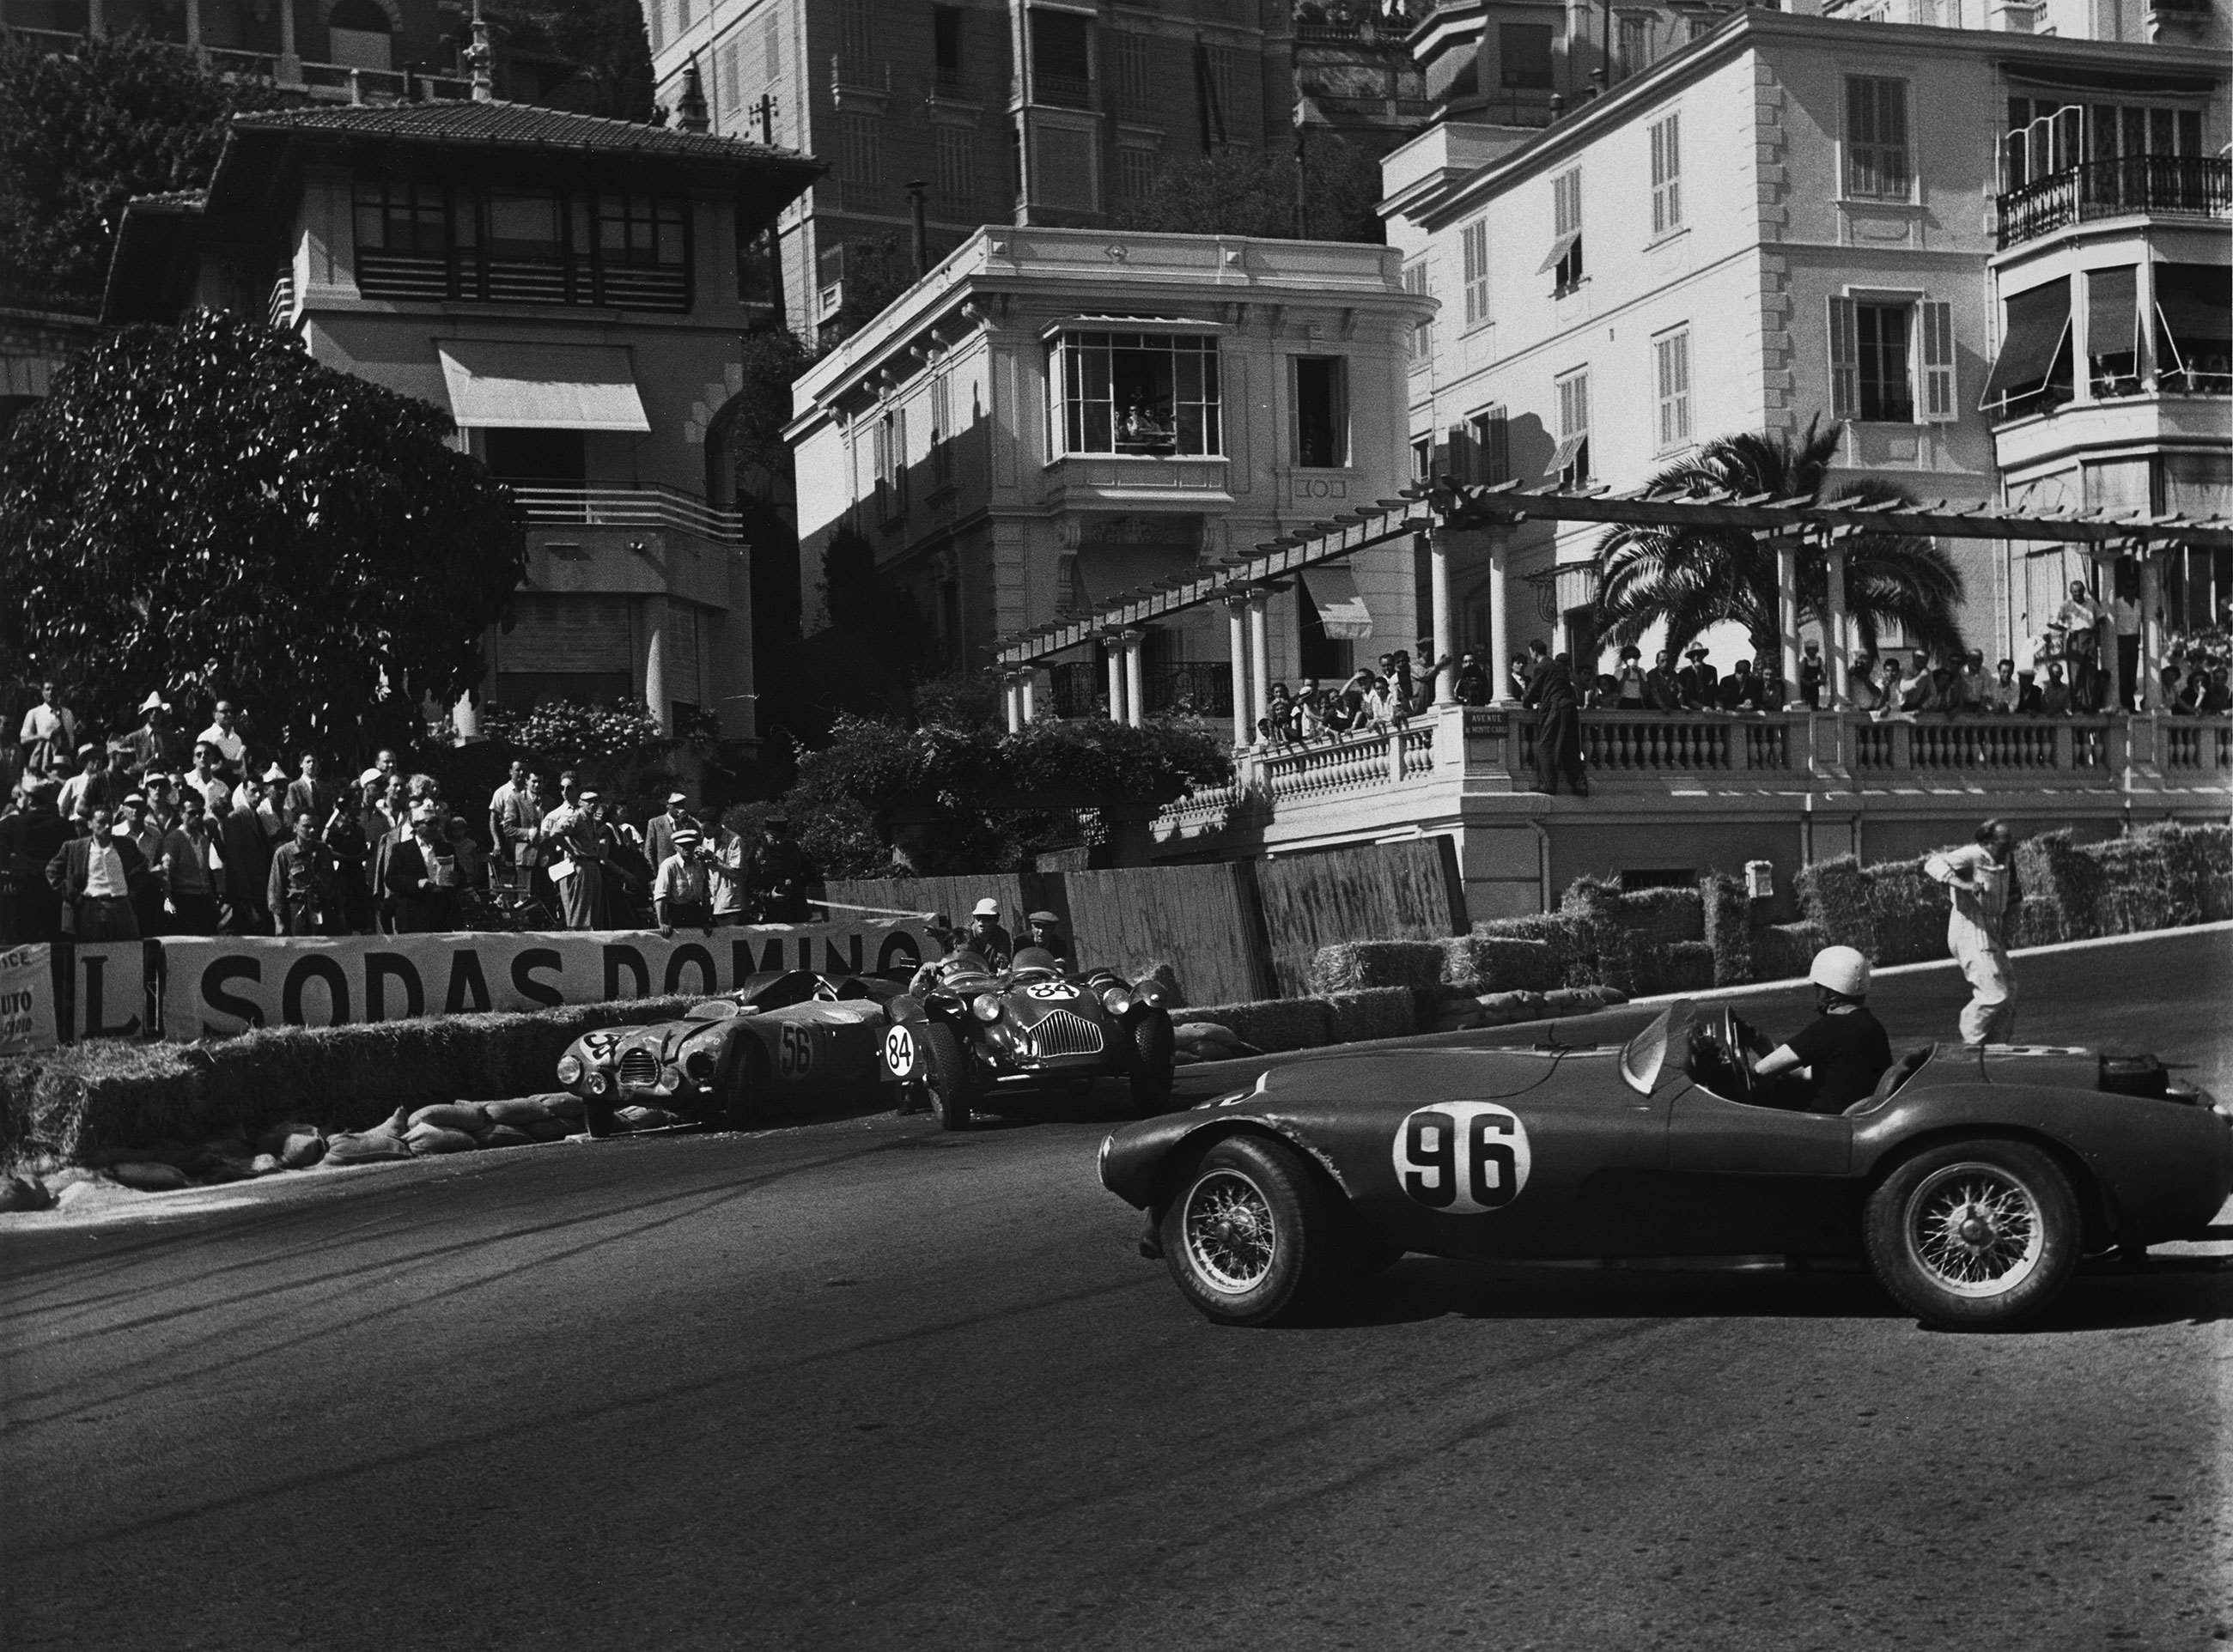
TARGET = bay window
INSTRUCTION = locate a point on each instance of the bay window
(1145, 394)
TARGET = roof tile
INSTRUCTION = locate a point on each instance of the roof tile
(509, 124)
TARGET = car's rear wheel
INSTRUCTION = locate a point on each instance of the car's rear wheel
(1974, 1235)
(1153, 1057)
(1249, 1236)
(746, 1094)
(947, 1073)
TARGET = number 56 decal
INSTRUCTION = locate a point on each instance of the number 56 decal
(794, 1050)
(1462, 1157)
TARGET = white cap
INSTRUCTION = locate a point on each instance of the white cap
(988, 907)
(1843, 969)
(154, 702)
(275, 772)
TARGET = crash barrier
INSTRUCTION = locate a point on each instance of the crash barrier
(1236, 930)
(184, 988)
(1684, 939)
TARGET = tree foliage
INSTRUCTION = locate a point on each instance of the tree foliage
(206, 505)
(1252, 191)
(1689, 579)
(604, 41)
(568, 733)
(87, 129)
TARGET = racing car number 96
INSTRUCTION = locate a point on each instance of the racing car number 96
(1462, 1157)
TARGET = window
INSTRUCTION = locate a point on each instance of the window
(1570, 462)
(547, 457)
(1136, 173)
(1565, 258)
(1145, 393)
(1062, 58)
(771, 45)
(941, 429)
(860, 149)
(1473, 242)
(891, 466)
(655, 17)
(2194, 329)
(1876, 367)
(1422, 333)
(1634, 46)
(1670, 365)
(403, 216)
(857, 39)
(1667, 174)
(1133, 52)
(1876, 138)
(682, 16)
(1321, 412)
(1484, 444)
(420, 239)
(1524, 55)
(1699, 27)
(1422, 459)
(957, 170)
(945, 46)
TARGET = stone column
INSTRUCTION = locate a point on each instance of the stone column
(1027, 684)
(1837, 653)
(1136, 693)
(290, 60)
(1260, 662)
(194, 27)
(654, 666)
(465, 720)
(1008, 704)
(1500, 613)
(1786, 617)
(1236, 628)
(1446, 624)
(1114, 648)
(2150, 628)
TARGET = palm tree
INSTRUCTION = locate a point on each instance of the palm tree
(1689, 579)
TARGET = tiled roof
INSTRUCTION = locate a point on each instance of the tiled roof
(514, 125)
(177, 200)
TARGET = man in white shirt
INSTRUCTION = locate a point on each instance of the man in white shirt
(224, 740)
(577, 858)
(206, 778)
(680, 893)
(49, 732)
(2125, 615)
(2080, 618)
(93, 877)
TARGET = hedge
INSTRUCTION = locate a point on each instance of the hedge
(1364, 965)
(1374, 1012)
(1728, 928)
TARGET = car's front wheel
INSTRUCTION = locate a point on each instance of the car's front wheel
(1153, 1059)
(745, 1092)
(947, 1076)
(1974, 1235)
(1249, 1236)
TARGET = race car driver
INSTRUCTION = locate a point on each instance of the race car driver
(1835, 1059)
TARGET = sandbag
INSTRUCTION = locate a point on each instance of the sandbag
(519, 1111)
(266, 1164)
(304, 1147)
(550, 1129)
(220, 1170)
(20, 1193)
(426, 1138)
(506, 1135)
(467, 1117)
(1465, 1020)
(148, 1176)
(1570, 1001)
(645, 1118)
(365, 1147)
(275, 1140)
(563, 1104)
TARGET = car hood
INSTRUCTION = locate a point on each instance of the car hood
(1026, 1006)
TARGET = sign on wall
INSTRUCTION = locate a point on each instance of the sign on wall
(108, 990)
(226, 985)
(27, 1000)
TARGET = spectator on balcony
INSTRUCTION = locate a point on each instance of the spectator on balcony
(1739, 690)
(2054, 693)
(1279, 716)
(2028, 696)
(2004, 691)
(1977, 687)
(1861, 689)
(1810, 675)
(1696, 680)
(2080, 618)
(2124, 622)
(2218, 696)
(1471, 686)
(1662, 691)
(1770, 692)
(1629, 681)
(1420, 699)
(1518, 675)
(1558, 735)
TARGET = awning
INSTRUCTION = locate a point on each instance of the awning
(1562, 457)
(2196, 301)
(542, 386)
(2112, 311)
(2038, 318)
(1559, 251)
(1342, 614)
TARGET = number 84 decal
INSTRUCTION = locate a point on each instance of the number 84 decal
(1462, 1157)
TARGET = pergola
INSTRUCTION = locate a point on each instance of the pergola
(1448, 508)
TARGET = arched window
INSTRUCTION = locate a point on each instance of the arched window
(359, 36)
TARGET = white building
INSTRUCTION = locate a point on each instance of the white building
(1790, 216)
(1053, 417)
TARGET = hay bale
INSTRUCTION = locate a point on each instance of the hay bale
(1373, 1013)
(507, 1135)
(433, 1138)
(1457, 1020)
(1362, 966)
(148, 1176)
(466, 1116)
(1275, 1023)
(20, 1193)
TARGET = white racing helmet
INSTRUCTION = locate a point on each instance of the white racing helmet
(1841, 969)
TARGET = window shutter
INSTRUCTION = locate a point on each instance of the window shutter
(1844, 360)
(1674, 125)
(1938, 362)
(1457, 458)
(1659, 178)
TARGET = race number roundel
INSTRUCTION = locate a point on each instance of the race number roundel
(1462, 1157)
(899, 1052)
(1050, 993)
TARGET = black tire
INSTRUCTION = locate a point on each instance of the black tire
(1250, 1235)
(1974, 1235)
(597, 1120)
(1153, 1062)
(744, 1094)
(947, 1077)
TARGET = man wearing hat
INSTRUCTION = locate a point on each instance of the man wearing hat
(30, 907)
(681, 895)
(1047, 934)
(986, 937)
(269, 792)
(576, 864)
(1696, 679)
(94, 784)
(659, 831)
(93, 875)
(778, 874)
(155, 744)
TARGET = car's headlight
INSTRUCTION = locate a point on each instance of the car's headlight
(1116, 1001)
(698, 1065)
(570, 1069)
(984, 1007)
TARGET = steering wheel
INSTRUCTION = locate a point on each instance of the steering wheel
(1724, 1036)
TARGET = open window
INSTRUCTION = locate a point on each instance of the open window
(1321, 412)
(2194, 335)
(1138, 395)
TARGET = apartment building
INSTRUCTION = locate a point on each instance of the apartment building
(1052, 418)
(565, 286)
(1789, 217)
(1029, 111)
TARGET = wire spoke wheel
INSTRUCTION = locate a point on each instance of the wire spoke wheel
(1230, 1236)
(1976, 1229)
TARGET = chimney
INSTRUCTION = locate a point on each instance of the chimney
(477, 57)
(690, 108)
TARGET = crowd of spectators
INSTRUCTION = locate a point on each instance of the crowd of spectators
(151, 833)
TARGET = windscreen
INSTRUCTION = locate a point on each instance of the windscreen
(1654, 1053)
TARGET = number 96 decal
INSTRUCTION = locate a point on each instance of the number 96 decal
(1462, 1157)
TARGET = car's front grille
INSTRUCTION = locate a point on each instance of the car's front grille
(1064, 1033)
(640, 1069)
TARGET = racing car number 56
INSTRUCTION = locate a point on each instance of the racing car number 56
(900, 1053)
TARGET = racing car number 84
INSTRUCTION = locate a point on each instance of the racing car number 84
(900, 1052)
(1462, 1157)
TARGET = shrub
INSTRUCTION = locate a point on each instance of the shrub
(1498, 963)
(1908, 912)
(1729, 927)
(1272, 1024)
(1785, 951)
(1833, 896)
(1683, 967)
(1354, 966)
(1372, 1012)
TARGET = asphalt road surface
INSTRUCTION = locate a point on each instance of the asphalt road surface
(861, 1384)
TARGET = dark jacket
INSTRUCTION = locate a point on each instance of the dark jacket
(72, 864)
(1551, 688)
(247, 858)
(421, 907)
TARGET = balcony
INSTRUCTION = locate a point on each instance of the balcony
(2164, 186)
(327, 83)
(1199, 688)
(463, 273)
(655, 507)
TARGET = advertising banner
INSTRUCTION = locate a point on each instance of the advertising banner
(27, 1000)
(108, 990)
(227, 985)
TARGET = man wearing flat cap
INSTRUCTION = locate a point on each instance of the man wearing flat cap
(577, 853)
(680, 894)
(658, 832)
(1047, 934)
(93, 785)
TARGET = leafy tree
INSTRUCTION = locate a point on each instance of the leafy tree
(878, 268)
(1252, 191)
(590, 55)
(1689, 579)
(206, 505)
(119, 116)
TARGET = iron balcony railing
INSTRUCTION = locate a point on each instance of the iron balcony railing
(2183, 186)
(653, 506)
